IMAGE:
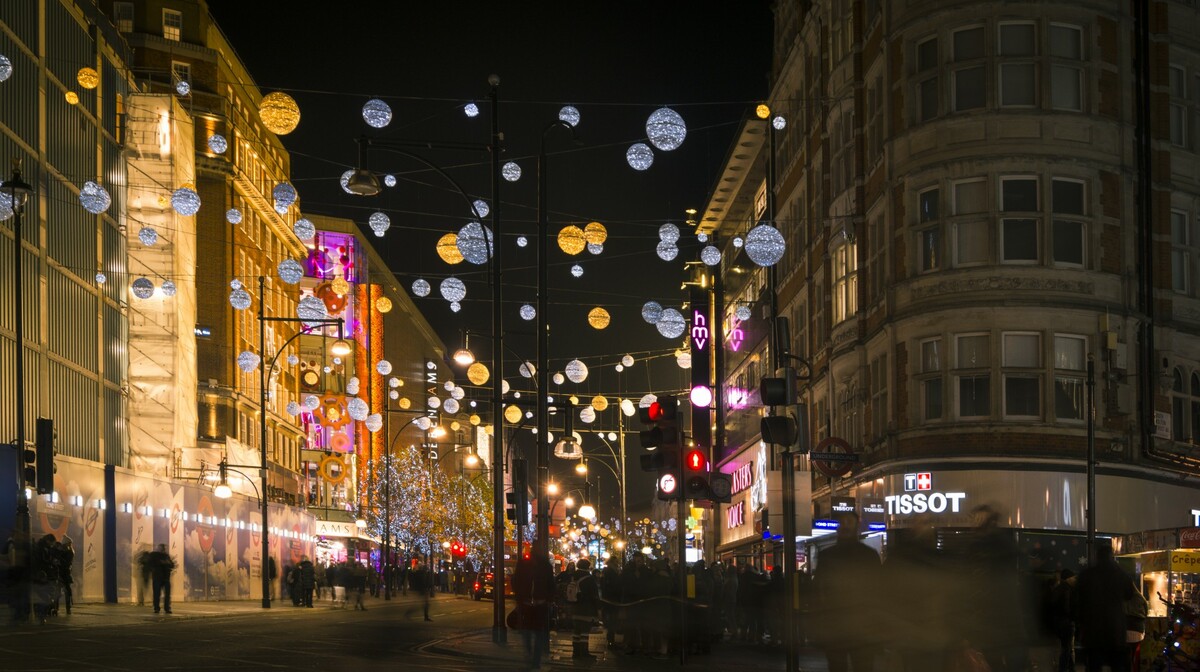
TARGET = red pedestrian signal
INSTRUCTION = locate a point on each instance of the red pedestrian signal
(695, 460)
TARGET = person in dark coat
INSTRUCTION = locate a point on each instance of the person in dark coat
(1101, 592)
(161, 568)
(534, 588)
(65, 551)
(305, 581)
(847, 591)
(423, 583)
(999, 617)
(610, 594)
(1062, 619)
(582, 599)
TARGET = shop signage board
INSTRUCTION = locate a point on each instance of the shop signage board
(1189, 538)
(743, 477)
(873, 515)
(841, 505)
(920, 497)
(1185, 561)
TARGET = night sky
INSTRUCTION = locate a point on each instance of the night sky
(615, 61)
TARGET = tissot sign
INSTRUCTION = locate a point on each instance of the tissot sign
(920, 497)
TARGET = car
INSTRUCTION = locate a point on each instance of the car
(484, 586)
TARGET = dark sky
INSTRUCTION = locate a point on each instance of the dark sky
(615, 61)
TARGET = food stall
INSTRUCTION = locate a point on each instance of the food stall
(1166, 567)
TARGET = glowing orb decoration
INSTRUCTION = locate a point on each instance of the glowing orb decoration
(309, 309)
(599, 403)
(279, 113)
(292, 409)
(619, 368)
(453, 289)
(384, 367)
(94, 198)
(569, 115)
(595, 233)
(639, 156)
(233, 216)
(284, 194)
(504, 387)
(481, 208)
(671, 324)
(666, 251)
(576, 271)
(389, 180)
(576, 371)
(393, 395)
(217, 144)
(340, 286)
(379, 223)
(248, 361)
(665, 129)
(311, 402)
(377, 113)
(668, 233)
(595, 248)
(478, 373)
(148, 236)
(742, 313)
(447, 249)
(404, 403)
(101, 278)
(512, 414)
(183, 88)
(449, 386)
(528, 312)
(558, 378)
(651, 312)
(511, 171)
(684, 360)
(352, 385)
(475, 242)
(457, 393)
(587, 414)
(290, 271)
(762, 111)
(345, 180)
(527, 370)
(645, 401)
(598, 318)
(421, 288)
(455, 306)
(474, 420)
(395, 382)
(571, 239)
(471, 110)
(374, 422)
(710, 255)
(186, 201)
(702, 237)
(357, 409)
(293, 360)
(627, 360)
(522, 241)
(88, 78)
(142, 288)
(765, 245)
(383, 304)
(423, 423)
(5, 68)
(72, 98)
(450, 406)
(239, 298)
(627, 407)
(779, 123)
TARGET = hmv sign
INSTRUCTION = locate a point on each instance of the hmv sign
(920, 497)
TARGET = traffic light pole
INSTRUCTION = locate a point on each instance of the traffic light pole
(681, 548)
(24, 521)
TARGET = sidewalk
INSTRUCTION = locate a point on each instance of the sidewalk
(96, 614)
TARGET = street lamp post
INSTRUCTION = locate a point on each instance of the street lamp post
(17, 192)
(340, 348)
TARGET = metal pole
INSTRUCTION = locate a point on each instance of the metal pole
(499, 628)
(264, 569)
(1091, 459)
(24, 519)
(624, 499)
(387, 514)
(543, 356)
(681, 549)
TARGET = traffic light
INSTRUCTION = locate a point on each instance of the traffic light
(518, 499)
(666, 463)
(45, 456)
(29, 464)
(662, 415)
(458, 549)
(700, 483)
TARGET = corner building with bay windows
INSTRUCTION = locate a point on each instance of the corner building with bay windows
(977, 198)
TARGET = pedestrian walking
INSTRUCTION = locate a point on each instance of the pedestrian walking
(582, 598)
(1101, 592)
(306, 581)
(423, 584)
(847, 591)
(999, 616)
(534, 588)
(65, 551)
(272, 574)
(358, 581)
(45, 577)
(161, 568)
(142, 562)
(1062, 618)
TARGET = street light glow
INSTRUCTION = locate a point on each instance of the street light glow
(340, 348)
(552, 489)
(464, 357)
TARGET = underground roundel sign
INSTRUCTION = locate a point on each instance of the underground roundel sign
(833, 457)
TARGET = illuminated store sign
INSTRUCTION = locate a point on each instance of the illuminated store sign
(735, 515)
(925, 500)
(735, 335)
(699, 330)
(743, 477)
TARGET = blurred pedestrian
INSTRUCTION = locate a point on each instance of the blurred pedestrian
(1000, 619)
(358, 579)
(1101, 592)
(917, 587)
(423, 583)
(65, 551)
(582, 597)
(272, 574)
(45, 577)
(161, 568)
(305, 581)
(1062, 618)
(610, 597)
(534, 588)
(847, 591)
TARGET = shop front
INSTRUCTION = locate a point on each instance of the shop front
(1166, 567)
(339, 541)
(739, 524)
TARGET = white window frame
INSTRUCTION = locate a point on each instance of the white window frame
(123, 16)
(1077, 375)
(1020, 178)
(1073, 64)
(844, 260)
(1005, 62)
(1057, 217)
(1178, 106)
(932, 376)
(1181, 253)
(981, 370)
(171, 31)
(1025, 372)
(987, 253)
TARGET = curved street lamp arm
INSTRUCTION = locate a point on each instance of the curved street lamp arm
(387, 145)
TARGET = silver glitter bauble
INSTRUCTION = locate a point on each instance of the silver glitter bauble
(627, 360)
(738, 242)
(101, 278)
(639, 156)
(710, 255)
(666, 251)
(168, 288)
(186, 201)
(646, 400)
(652, 312)
(94, 198)
(142, 288)
(384, 367)
(357, 408)
(284, 194)
(6, 68)
(345, 181)
(684, 360)
(595, 248)
(311, 402)
(702, 237)
(455, 306)
(570, 115)
(453, 289)
(281, 209)
(475, 242)
(183, 88)
(522, 241)
(577, 270)
(587, 414)
(377, 113)
(304, 229)
(292, 409)
(528, 312)
(248, 361)
(671, 324)
(779, 123)
(433, 402)
(379, 223)
(217, 144)
(310, 309)
(351, 385)
(559, 379)
(450, 406)
(511, 171)
(481, 208)
(239, 298)
(471, 110)
(235, 284)
(668, 233)
(393, 395)
(233, 216)
(374, 422)
(765, 245)
(665, 129)
(527, 370)
(576, 371)
(742, 313)
(458, 392)
(394, 382)
(293, 360)
(420, 287)
(148, 236)
(290, 271)
(389, 180)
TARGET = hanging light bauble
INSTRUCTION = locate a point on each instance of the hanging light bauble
(185, 201)
(101, 278)
(395, 382)
(384, 367)
(627, 407)
(450, 406)
(248, 361)
(481, 208)
(148, 236)
(352, 385)
(576, 271)
(233, 216)
(142, 288)
(639, 156)
(474, 420)
(94, 198)
(671, 324)
(72, 98)
(571, 239)
(471, 110)
(576, 371)
(239, 298)
(684, 360)
(527, 370)
(383, 304)
(279, 113)
(599, 402)
(594, 248)
(587, 414)
(478, 373)
(598, 318)
(779, 123)
(528, 312)
(292, 409)
(311, 402)
(339, 286)
(345, 181)
(668, 233)
(455, 306)
(742, 313)
(6, 68)
(217, 144)
(377, 113)
(168, 288)
(304, 229)
(310, 309)
(357, 408)
(453, 289)
(88, 78)
(512, 414)
(569, 115)
(702, 237)
(765, 245)
(665, 129)
(666, 251)
(646, 400)
(421, 288)
(558, 378)
(710, 255)
(284, 194)
(627, 360)
(474, 242)
(522, 241)
(290, 271)
(447, 249)
(379, 223)
(374, 422)
(738, 242)
(404, 403)
(511, 171)
(595, 233)
(651, 312)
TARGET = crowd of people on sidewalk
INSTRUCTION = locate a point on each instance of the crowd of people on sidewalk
(39, 585)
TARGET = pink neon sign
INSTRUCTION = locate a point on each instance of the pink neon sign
(699, 330)
(735, 335)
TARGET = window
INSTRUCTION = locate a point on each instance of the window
(172, 24)
(929, 241)
(879, 395)
(877, 246)
(845, 281)
(927, 88)
(1018, 81)
(181, 72)
(1195, 407)
(970, 243)
(973, 360)
(123, 16)
(1068, 236)
(1181, 243)
(1022, 387)
(1178, 84)
(931, 382)
(968, 82)
(1066, 75)
(1019, 237)
(1069, 365)
(1179, 401)
(970, 197)
(1018, 194)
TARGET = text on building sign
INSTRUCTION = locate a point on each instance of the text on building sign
(699, 330)
(735, 515)
(742, 478)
